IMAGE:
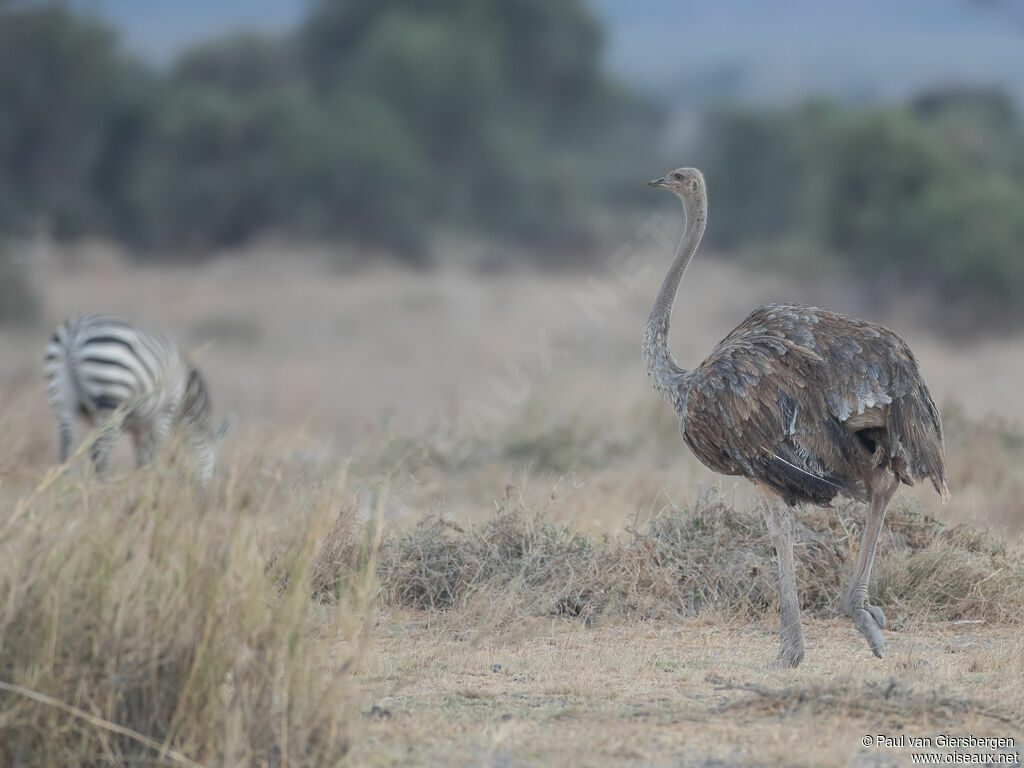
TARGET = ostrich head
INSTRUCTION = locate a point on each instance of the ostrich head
(688, 183)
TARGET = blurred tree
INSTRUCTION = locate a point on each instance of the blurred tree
(911, 203)
(374, 185)
(216, 168)
(506, 101)
(767, 168)
(377, 121)
(381, 121)
(975, 234)
(932, 194)
(881, 168)
(66, 114)
(978, 125)
(241, 146)
(18, 301)
(754, 163)
(244, 64)
(541, 51)
(217, 165)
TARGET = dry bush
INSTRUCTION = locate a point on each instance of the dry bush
(439, 564)
(712, 556)
(143, 622)
(954, 579)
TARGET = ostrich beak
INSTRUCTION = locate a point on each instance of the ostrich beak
(657, 182)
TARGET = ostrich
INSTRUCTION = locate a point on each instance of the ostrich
(809, 405)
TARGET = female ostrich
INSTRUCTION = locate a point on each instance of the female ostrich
(806, 403)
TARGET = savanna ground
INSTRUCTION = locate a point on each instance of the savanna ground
(453, 526)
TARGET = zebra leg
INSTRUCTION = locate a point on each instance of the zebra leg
(779, 517)
(150, 438)
(200, 446)
(65, 434)
(145, 447)
(868, 618)
(109, 428)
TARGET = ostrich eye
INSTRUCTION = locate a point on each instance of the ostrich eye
(677, 176)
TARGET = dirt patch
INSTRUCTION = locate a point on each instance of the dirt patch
(872, 699)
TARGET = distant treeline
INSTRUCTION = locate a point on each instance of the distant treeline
(376, 122)
(929, 194)
(382, 122)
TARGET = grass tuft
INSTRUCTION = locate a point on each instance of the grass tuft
(142, 622)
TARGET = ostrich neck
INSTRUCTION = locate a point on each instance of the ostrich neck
(664, 372)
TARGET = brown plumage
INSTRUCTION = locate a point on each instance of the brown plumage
(806, 403)
(811, 404)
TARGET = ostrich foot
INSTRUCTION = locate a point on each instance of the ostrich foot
(871, 630)
(870, 621)
(876, 614)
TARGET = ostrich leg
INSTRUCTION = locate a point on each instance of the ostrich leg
(779, 517)
(868, 618)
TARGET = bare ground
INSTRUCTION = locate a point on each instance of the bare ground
(552, 692)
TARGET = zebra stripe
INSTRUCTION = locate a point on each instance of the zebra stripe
(130, 378)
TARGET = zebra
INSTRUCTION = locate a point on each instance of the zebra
(127, 378)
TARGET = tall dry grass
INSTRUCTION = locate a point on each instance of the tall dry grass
(144, 622)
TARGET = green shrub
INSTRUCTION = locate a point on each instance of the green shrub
(931, 195)
(379, 123)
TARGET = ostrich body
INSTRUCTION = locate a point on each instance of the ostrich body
(806, 403)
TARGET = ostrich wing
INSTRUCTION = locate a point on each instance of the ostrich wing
(807, 402)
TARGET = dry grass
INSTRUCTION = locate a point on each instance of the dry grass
(143, 622)
(142, 605)
(374, 580)
(552, 692)
(712, 556)
(383, 366)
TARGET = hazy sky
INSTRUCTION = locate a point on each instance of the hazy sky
(158, 30)
(697, 49)
(868, 48)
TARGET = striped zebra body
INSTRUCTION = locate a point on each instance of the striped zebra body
(130, 379)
